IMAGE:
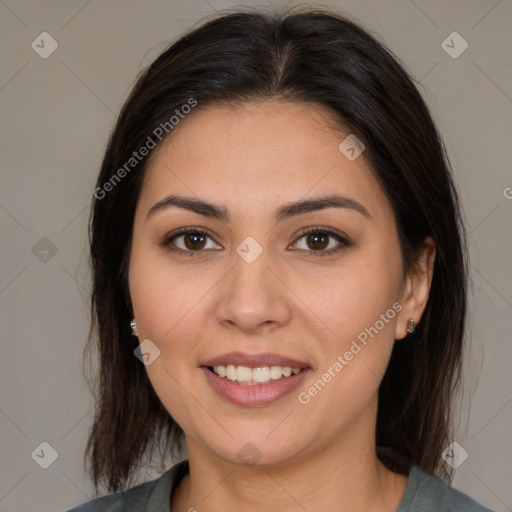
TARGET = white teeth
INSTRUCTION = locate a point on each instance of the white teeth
(230, 372)
(287, 371)
(260, 374)
(243, 373)
(252, 376)
(276, 372)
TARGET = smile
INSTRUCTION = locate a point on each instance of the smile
(252, 376)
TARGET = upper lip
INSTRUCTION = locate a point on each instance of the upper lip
(254, 360)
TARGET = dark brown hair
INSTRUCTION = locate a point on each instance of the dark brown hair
(322, 59)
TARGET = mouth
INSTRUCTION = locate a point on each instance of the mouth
(254, 380)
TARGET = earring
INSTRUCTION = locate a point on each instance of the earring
(412, 326)
(133, 325)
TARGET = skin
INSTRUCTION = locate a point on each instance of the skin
(195, 305)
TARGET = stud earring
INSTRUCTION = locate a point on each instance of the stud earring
(412, 326)
(133, 325)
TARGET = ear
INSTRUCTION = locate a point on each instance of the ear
(416, 288)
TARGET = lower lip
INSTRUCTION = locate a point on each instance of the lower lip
(258, 394)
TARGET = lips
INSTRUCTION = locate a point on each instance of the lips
(253, 394)
(254, 360)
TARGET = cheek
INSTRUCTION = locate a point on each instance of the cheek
(171, 307)
(168, 309)
(354, 357)
(163, 302)
(354, 311)
(344, 301)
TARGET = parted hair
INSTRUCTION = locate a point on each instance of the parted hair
(321, 58)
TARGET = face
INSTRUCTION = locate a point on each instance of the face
(256, 282)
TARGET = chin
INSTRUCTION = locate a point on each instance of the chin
(256, 451)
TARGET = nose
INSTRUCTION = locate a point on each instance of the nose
(252, 297)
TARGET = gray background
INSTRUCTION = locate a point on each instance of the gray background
(56, 116)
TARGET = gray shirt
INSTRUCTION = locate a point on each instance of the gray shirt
(424, 493)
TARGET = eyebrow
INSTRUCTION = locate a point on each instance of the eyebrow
(282, 213)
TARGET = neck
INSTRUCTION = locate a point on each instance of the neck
(343, 476)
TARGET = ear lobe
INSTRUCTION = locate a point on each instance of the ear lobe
(417, 288)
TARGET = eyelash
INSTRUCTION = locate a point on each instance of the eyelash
(344, 243)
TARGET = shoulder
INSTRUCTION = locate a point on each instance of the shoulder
(427, 493)
(134, 498)
(154, 496)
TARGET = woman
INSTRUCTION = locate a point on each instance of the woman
(279, 269)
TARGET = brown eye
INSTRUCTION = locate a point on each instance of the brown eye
(189, 240)
(317, 241)
(321, 242)
(194, 241)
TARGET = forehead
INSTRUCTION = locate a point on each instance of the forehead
(259, 155)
